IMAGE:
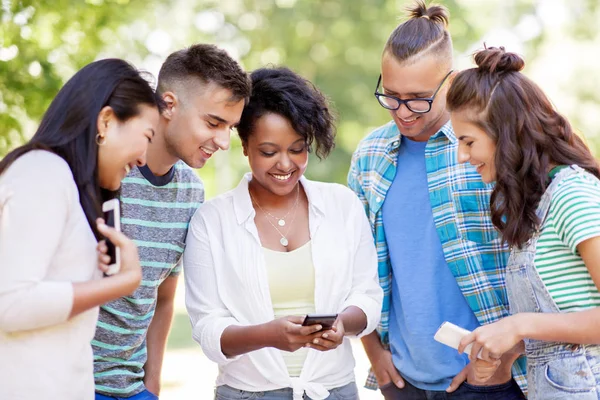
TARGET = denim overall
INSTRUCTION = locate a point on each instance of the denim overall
(554, 370)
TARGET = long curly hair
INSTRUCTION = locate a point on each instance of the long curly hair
(530, 137)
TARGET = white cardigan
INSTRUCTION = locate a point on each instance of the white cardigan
(226, 284)
(46, 244)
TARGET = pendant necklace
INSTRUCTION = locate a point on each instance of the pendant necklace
(284, 241)
(280, 221)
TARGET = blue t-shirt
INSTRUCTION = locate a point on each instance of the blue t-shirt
(424, 291)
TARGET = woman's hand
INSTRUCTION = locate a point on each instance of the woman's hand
(130, 270)
(103, 257)
(288, 334)
(329, 339)
(493, 340)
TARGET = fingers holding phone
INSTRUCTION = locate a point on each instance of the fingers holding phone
(119, 253)
(104, 259)
(332, 334)
(290, 335)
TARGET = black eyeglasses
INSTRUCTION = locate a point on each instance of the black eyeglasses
(420, 106)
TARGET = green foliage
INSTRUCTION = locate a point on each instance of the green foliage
(336, 44)
(41, 45)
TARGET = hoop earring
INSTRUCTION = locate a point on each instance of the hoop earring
(100, 140)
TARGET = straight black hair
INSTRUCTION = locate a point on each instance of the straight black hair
(69, 126)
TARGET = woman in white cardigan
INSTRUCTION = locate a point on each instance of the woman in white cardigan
(278, 247)
(95, 130)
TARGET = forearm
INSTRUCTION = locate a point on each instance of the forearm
(156, 340)
(581, 327)
(373, 347)
(91, 294)
(237, 340)
(354, 320)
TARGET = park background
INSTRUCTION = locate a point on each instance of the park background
(334, 43)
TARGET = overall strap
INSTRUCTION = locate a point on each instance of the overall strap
(544, 204)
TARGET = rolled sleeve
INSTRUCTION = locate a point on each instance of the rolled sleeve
(366, 293)
(208, 314)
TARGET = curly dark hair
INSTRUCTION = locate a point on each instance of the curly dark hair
(283, 92)
(530, 137)
(425, 32)
(207, 63)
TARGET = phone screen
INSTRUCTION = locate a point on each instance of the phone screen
(109, 218)
(326, 320)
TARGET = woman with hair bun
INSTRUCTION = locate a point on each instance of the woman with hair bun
(279, 246)
(546, 204)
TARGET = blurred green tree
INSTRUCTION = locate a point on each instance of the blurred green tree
(334, 43)
(41, 45)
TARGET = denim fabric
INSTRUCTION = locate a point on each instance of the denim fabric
(346, 392)
(145, 395)
(506, 391)
(554, 370)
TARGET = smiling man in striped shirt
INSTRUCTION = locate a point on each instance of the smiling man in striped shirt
(205, 91)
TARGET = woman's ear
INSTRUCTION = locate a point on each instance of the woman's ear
(245, 149)
(105, 117)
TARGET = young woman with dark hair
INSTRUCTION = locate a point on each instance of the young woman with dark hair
(546, 204)
(51, 191)
(278, 247)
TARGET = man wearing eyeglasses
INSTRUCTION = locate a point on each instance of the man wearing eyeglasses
(440, 258)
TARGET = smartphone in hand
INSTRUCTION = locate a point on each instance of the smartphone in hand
(112, 218)
(451, 335)
(325, 320)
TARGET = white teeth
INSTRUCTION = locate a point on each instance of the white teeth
(127, 168)
(282, 177)
(207, 151)
(408, 120)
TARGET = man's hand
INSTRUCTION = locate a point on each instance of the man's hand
(385, 371)
(459, 379)
(381, 361)
(480, 375)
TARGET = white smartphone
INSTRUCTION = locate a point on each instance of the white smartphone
(451, 335)
(112, 217)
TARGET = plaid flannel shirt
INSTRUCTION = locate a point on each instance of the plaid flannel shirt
(460, 205)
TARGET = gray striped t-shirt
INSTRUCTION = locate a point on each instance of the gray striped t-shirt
(156, 212)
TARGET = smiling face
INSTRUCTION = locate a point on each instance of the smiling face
(475, 146)
(200, 120)
(277, 154)
(416, 80)
(124, 143)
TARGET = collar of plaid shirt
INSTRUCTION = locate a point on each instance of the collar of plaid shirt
(460, 205)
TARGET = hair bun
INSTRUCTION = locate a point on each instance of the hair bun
(497, 60)
(436, 13)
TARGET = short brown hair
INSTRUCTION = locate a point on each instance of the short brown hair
(208, 64)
